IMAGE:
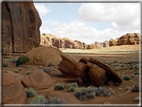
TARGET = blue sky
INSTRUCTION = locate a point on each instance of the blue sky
(89, 22)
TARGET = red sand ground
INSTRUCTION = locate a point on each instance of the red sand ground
(119, 97)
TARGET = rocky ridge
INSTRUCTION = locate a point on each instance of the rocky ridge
(52, 40)
(127, 39)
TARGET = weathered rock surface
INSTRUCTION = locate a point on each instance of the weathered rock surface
(13, 91)
(44, 55)
(102, 44)
(127, 39)
(67, 66)
(97, 75)
(92, 46)
(89, 70)
(39, 81)
(52, 40)
(16, 76)
(21, 24)
(69, 98)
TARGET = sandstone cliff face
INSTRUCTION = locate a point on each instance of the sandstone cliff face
(52, 40)
(127, 39)
(21, 24)
(102, 44)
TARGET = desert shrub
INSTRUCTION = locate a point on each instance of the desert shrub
(132, 75)
(74, 84)
(8, 60)
(118, 73)
(135, 88)
(28, 72)
(71, 89)
(64, 84)
(55, 100)
(108, 63)
(117, 68)
(30, 92)
(127, 88)
(39, 99)
(14, 60)
(90, 92)
(22, 60)
(47, 70)
(27, 66)
(19, 69)
(56, 67)
(90, 96)
(120, 89)
(16, 71)
(5, 65)
(59, 87)
(50, 64)
(126, 77)
(136, 99)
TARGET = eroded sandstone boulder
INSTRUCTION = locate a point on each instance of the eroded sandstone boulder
(90, 70)
(21, 24)
(13, 90)
(44, 55)
(39, 81)
(67, 66)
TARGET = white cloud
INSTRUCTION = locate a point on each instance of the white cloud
(44, 29)
(122, 15)
(52, 23)
(42, 10)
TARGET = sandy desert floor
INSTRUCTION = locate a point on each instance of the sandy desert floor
(121, 95)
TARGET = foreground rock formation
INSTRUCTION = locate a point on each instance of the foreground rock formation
(127, 39)
(102, 44)
(39, 81)
(52, 40)
(88, 70)
(44, 55)
(13, 90)
(21, 24)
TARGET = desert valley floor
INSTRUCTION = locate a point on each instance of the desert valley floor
(122, 93)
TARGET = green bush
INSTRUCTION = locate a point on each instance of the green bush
(136, 99)
(39, 99)
(19, 69)
(55, 100)
(30, 92)
(59, 87)
(71, 89)
(135, 88)
(126, 77)
(28, 72)
(5, 65)
(14, 60)
(127, 88)
(22, 60)
(28, 66)
(50, 64)
(132, 75)
(47, 70)
(16, 71)
(118, 73)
